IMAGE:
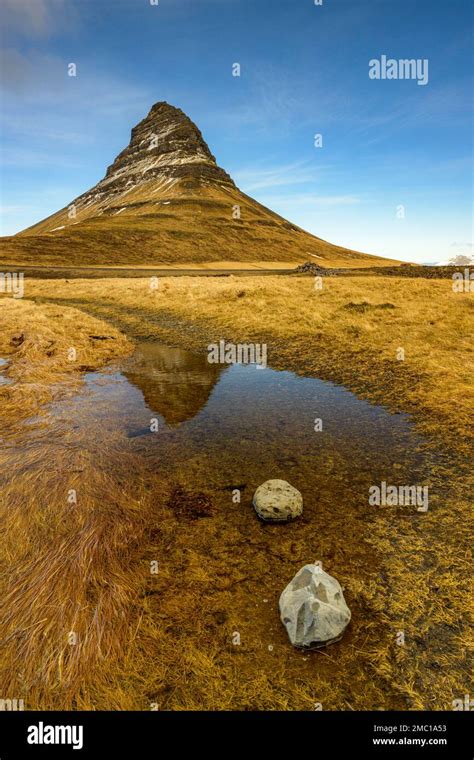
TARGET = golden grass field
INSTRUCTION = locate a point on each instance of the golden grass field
(166, 642)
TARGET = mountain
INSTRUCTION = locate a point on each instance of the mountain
(164, 200)
(461, 260)
(175, 384)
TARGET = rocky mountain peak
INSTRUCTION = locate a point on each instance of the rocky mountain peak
(164, 200)
(166, 144)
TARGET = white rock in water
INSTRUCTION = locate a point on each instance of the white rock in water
(277, 501)
(313, 608)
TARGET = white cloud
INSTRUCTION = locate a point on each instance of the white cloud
(44, 110)
(36, 18)
(255, 178)
(14, 209)
(309, 199)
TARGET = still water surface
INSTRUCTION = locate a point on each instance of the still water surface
(235, 426)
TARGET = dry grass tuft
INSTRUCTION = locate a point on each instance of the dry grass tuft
(37, 342)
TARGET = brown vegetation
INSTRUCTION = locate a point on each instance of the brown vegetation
(165, 640)
(184, 233)
(37, 342)
(348, 332)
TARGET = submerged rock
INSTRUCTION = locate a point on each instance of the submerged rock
(277, 501)
(313, 608)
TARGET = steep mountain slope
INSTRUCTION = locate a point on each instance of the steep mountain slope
(164, 200)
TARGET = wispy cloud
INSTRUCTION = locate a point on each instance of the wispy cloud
(462, 245)
(31, 159)
(37, 18)
(296, 173)
(14, 209)
(311, 199)
(41, 80)
(38, 83)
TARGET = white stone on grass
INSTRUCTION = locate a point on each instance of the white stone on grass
(313, 609)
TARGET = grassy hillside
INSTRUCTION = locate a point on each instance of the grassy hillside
(175, 225)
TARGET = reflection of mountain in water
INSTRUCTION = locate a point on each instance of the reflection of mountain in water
(175, 383)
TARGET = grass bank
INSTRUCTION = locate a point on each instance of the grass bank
(47, 349)
(404, 343)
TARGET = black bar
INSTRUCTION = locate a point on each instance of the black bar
(135, 734)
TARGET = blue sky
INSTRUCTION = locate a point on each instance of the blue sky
(304, 71)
